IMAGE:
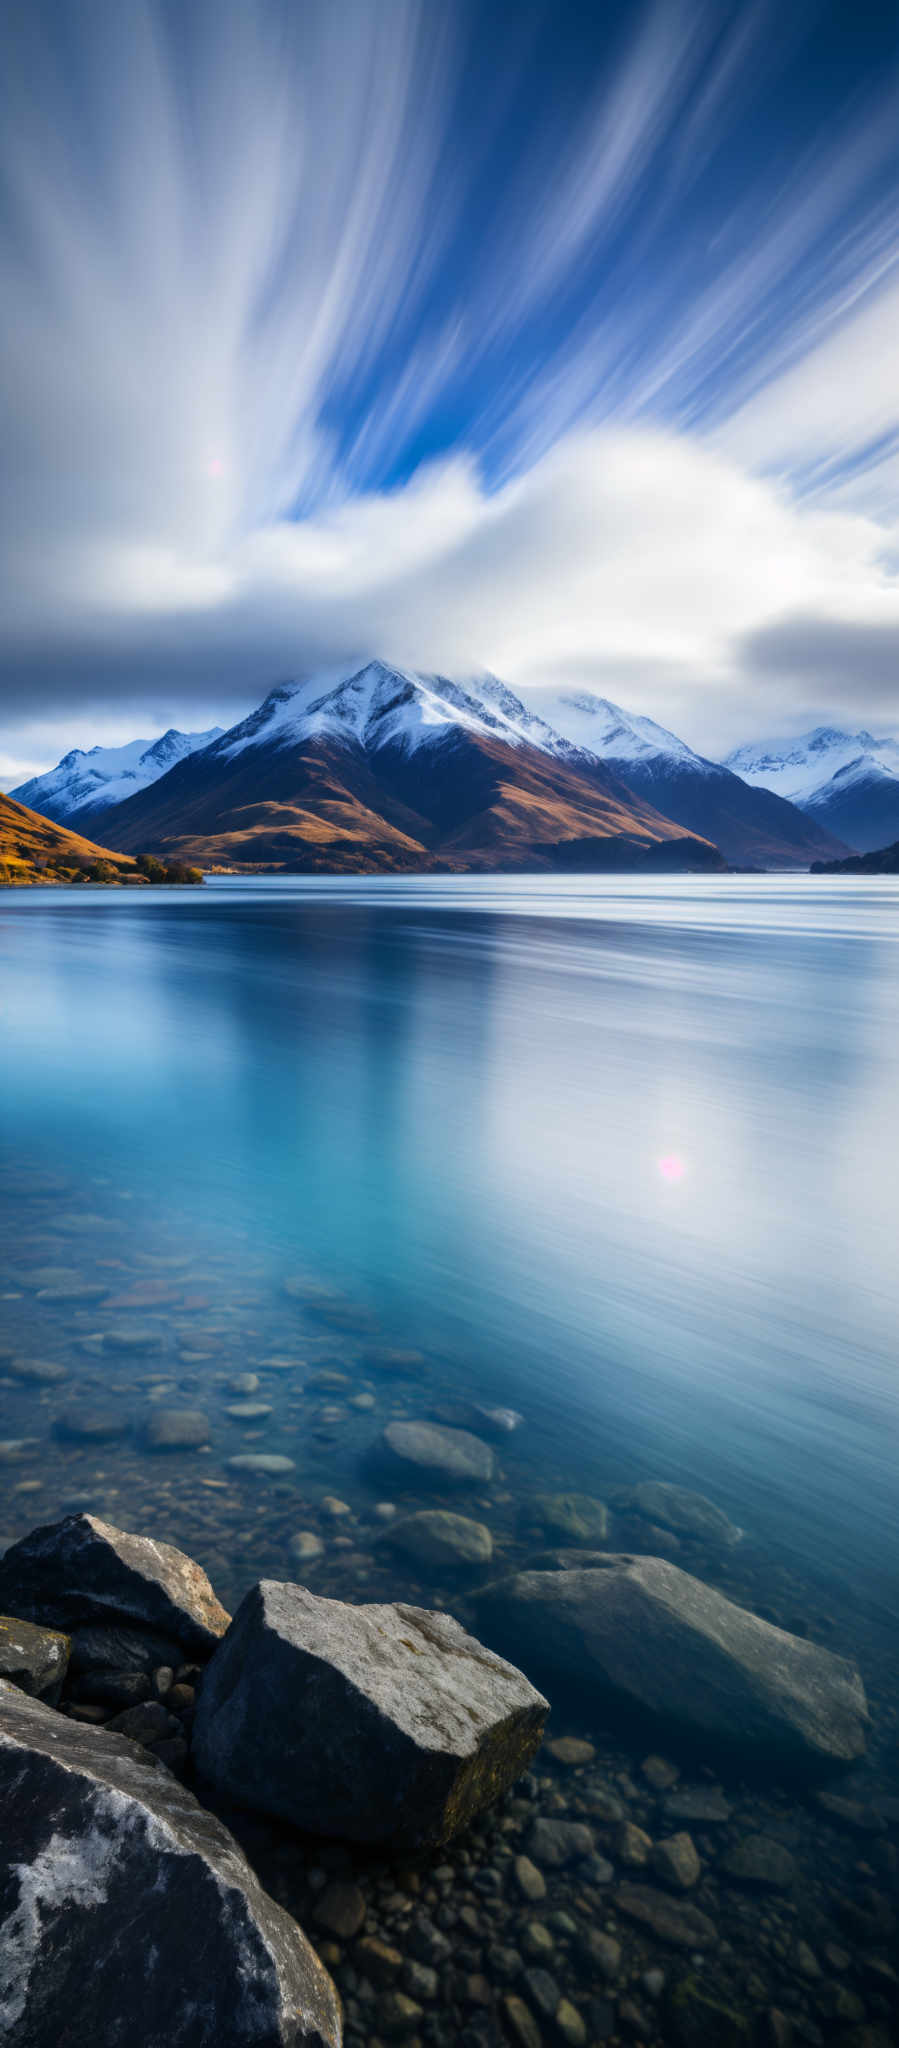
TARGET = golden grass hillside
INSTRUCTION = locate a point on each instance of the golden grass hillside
(34, 850)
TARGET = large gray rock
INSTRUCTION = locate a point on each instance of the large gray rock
(128, 1915)
(34, 1659)
(424, 1453)
(377, 1723)
(642, 1630)
(689, 1514)
(82, 1570)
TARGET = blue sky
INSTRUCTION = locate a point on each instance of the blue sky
(557, 339)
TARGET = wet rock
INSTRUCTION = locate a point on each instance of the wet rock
(84, 1570)
(267, 1465)
(110, 1688)
(521, 2023)
(659, 1773)
(380, 1963)
(416, 1453)
(41, 1372)
(569, 2024)
(176, 1429)
(133, 1340)
(439, 1538)
(572, 1517)
(554, 1843)
(530, 1881)
(633, 1846)
(305, 1547)
(107, 1859)
(697, 2019)
(642, 1631)
(672, 1920)
(93, 1425)
(34, 1659)
(758, 1861)
(697, 1803)
(675, 1861)
(675, 1507)
(244, 1383)
(394, 1362)
(601, 1952)
(147, 1723)
(97, 1648)
(340, 1909)
(248, 1411)
(570, 1751)
(379, 1723)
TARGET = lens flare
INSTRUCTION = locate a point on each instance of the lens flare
(672, 1167)
(215, 466)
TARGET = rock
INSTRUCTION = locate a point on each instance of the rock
(133, 1340)
(641, 1632)
(601, 1951)
(121, 1649)
(633, 1846)
(569, 1751)
(569, 2024)
(130, 1914)
(148, 1723)
(84, 1570)
(521, 2023)
(425, 1453)
(756, 1860)
(439, 1538)
(553, 1843)
(266, 1464)
(305, 1547)
(334, 1509)
(92, 1425)
(42, 1372)
(671, 1919)
(696, 2019)
(675, 1861)
(689, 1514)
(572, 1517)
(380, 1963)
(244, 1383)
(397, 2014)
(340, 1909)
(659, 1773)
(530, 1881)
(378, 1723)
(697, 1803)
(248, 1411)
(110, 1688)
(176, 1429)
(393, 1361)
(34, 1659)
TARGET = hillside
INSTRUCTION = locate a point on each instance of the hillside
(884, 861)
(36, 849)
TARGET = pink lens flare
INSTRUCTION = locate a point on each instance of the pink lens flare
(672, 1167)
(215, 467)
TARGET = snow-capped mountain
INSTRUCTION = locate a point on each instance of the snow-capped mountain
(753, 827)
(380, 767)
(848, 782)
(378, 706)
(84, 784)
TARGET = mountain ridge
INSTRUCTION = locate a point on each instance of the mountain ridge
(847, 782)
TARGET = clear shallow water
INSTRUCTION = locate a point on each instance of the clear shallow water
(459, 1102)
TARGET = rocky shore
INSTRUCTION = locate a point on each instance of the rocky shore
(324, 1821)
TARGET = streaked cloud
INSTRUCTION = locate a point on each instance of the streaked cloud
(472, 337)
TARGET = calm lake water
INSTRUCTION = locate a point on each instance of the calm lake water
(622, 1156)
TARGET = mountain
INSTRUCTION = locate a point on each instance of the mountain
(36, 849)
(847, 782)
(83, 786)
(752, 826)
(884, 860)
(385, 769)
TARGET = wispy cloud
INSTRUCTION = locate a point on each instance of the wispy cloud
(470, 337)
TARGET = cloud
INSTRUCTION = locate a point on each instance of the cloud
(259, 263)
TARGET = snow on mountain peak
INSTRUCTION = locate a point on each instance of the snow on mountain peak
(800, 768)
(600, 727)
(94, 779)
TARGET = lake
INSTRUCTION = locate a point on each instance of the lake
(285, 1161)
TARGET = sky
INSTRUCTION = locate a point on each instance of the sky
(552, 338)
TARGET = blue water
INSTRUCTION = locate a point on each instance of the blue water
(452, 1099)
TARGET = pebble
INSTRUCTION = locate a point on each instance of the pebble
(176, 1429)
(757, 1860)
(633, 1846)
(569, 2024)
(530, 1881)
(340, 1909)
(248, 1411)
(333, 1508)
(569, 1751)
(305, 1546)
(553, 1843)
(675, 1860)
(267, 1464)
(520, 2022)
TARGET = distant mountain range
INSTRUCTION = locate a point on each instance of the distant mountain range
(847, 782)
(384, 768)
(84, 784)
(884, 860)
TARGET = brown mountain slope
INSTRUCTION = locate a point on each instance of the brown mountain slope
(34, 849)
(466, 802)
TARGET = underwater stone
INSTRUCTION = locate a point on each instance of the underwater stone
(377, 1723)
(92, 1832)
(437, 1537)
(83, 1570)
(690, 1514)
(641, 1631)
(415, 1451)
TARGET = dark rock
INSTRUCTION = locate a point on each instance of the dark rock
(84, 1570)
(675, 1507)
(111, 1688)
(572, 1517)
(553, 1843)
(697, 1803)
(415, 1453)
(437, 1537)
(32, 1658)
(146, 1723)
(93, 1425)
(379, 1723)
(757, 1860)
(340, 1910)
(696, 2019)
(675, 1861)
(671, 1919)
(644, 1633)
(121, 1649)
(176, 1429)
(128, 1914)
